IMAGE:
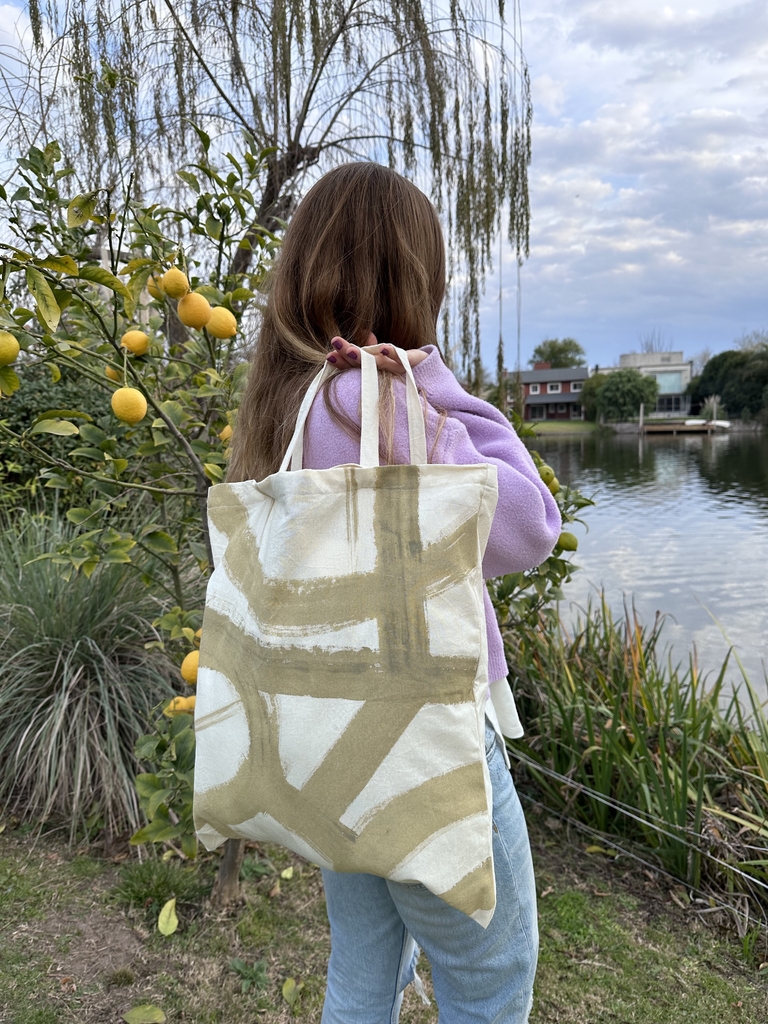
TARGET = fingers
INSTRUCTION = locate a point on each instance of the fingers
(345, 356)
(388, 362)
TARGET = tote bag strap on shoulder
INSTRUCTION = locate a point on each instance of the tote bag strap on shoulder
(369, 418)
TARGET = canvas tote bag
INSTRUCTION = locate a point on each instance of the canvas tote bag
(343, 663)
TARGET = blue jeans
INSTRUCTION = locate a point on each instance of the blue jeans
(480, 976)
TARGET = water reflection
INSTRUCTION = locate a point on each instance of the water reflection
(681, 526)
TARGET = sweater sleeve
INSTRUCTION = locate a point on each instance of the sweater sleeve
(527, 521)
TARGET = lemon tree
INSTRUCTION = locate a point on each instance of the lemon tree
(143, 304)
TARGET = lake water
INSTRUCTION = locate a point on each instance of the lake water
(681, 527)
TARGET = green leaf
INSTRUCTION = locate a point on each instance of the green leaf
(146, 783)
(203, 136)
(81, 209)
(117, 552)
(174, 411)
(63, 428)
(55, 372)
(52, 414)
(136, 285)
(86, 452)
(60, 265)
(212, 294)
(20, 195)
(138, 264)
(79, 515)
(189, 846)
(3, 193)
(47, 312)
(160, 542)
(100, 275)
(190, 179)
(213, 227)
(9, 380)
(154, 802)
(213, 472)
(92, 434)
(52, 154)
(167, 920)
(146, 1013)
(291, 990)
(242, 295)
(160, 830)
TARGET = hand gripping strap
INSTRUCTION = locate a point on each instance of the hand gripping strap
(369, 415)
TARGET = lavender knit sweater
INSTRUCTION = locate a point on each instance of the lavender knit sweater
(527, 520)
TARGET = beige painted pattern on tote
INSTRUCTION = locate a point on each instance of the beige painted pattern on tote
(330, 766)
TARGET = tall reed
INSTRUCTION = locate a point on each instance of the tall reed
(634, 744)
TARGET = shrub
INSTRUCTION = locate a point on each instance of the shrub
(589, 393)
(622, 394)
(77, 683)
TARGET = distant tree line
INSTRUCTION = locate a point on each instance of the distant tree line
(738, 376)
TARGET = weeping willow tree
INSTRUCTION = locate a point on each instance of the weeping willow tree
(437, 91)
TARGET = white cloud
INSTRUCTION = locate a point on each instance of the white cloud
(649, 182)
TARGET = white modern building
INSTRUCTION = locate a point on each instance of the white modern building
(673, 375)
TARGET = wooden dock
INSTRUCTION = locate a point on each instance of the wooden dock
(681, 428)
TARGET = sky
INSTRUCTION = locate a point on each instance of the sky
(649, 179)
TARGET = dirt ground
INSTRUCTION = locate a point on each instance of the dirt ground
(80, 942)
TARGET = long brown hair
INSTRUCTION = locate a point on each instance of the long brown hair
(363, 252)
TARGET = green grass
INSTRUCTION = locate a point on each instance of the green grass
(148, 886)
(613, 949)
(544, 428)
(80, 946)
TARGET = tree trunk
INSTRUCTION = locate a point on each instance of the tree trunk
(226, 888)
(274, 205)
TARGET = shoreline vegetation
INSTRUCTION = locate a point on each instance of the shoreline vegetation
(581, 428)
(648, 756)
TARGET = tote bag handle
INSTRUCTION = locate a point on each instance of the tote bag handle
(369, 418)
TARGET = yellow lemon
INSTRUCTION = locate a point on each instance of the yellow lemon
(194, 310)
(189, 667)
(175, 283)
(112, 373)
(222, 323)
(153, 287)
(547, 474)
(554, 485)
(136, 342)
(180, 706)
(129, 405)
(567, 541)
(226, 434)
(9, 348)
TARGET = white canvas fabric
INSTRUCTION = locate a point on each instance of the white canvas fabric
(343, 667)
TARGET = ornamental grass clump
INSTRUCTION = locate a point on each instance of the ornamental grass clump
(624, 740)
(77, 685)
